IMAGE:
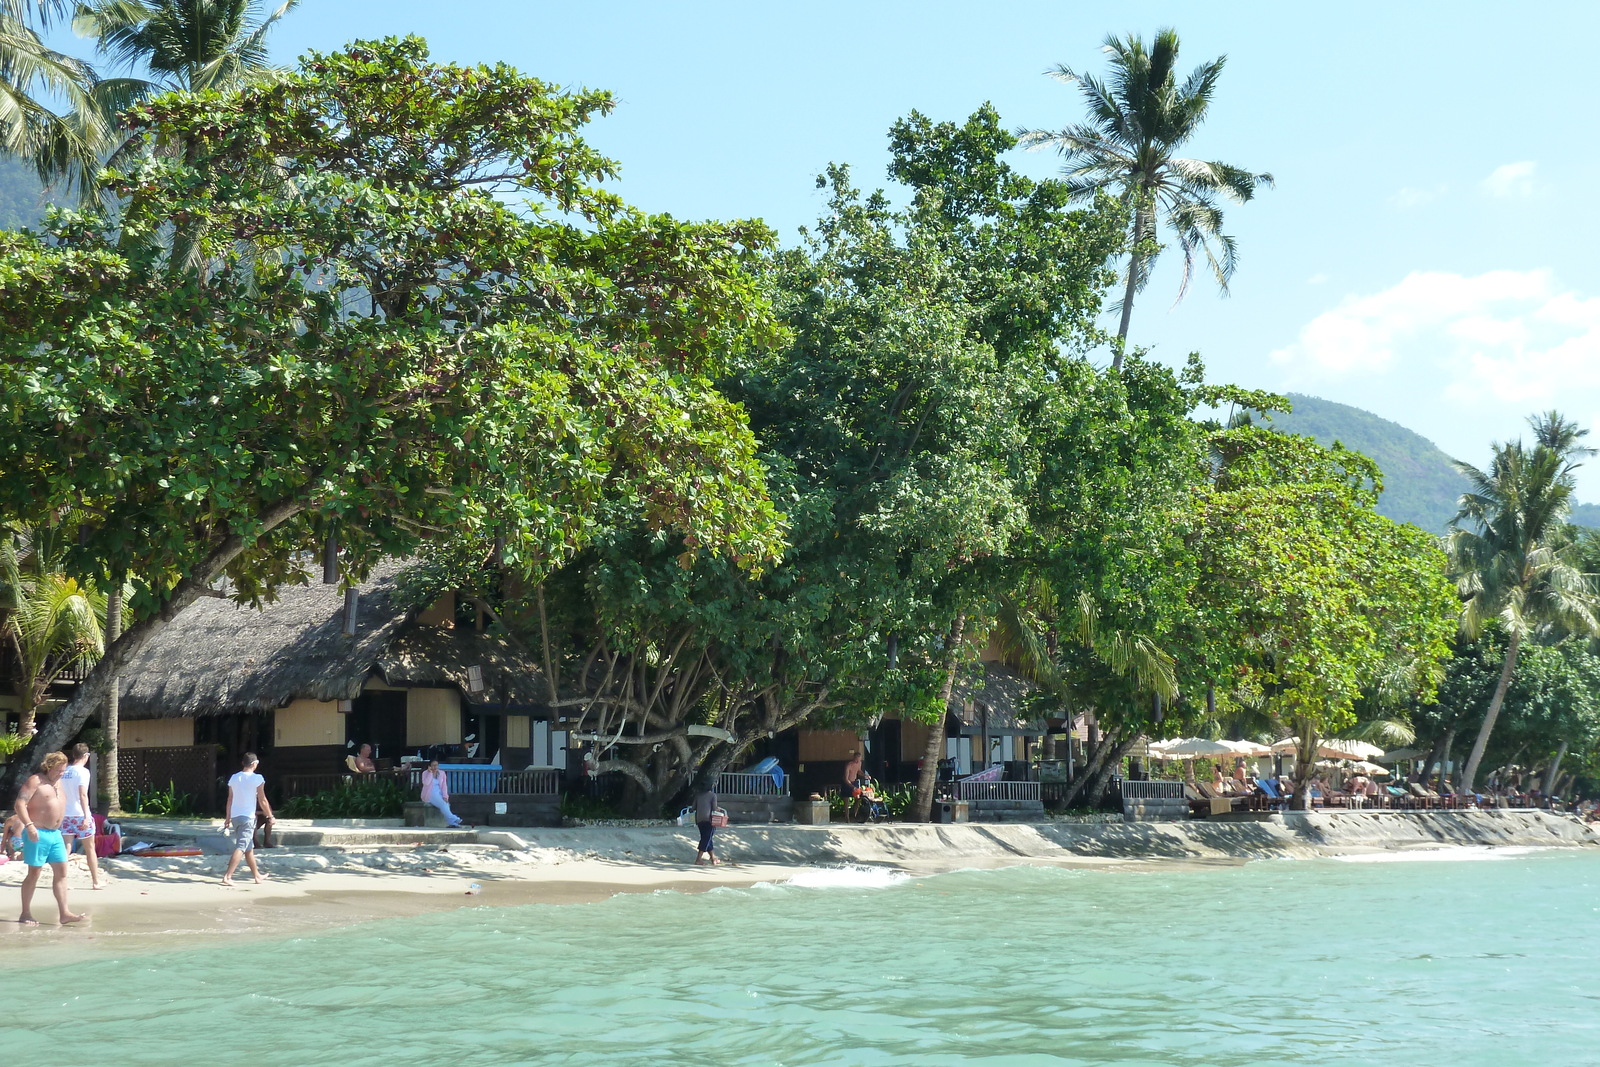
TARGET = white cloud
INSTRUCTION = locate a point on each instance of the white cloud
(1317, 279)
(1410, 197)
(1486, 341)
(1510, 180)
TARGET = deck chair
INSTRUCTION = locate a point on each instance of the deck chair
(1275, 798)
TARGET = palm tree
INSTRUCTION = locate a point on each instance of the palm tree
(1517, 563)
(58, 143)
(192, 45)
(1128, 148)
(51, 621)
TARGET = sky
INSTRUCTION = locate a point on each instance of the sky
(1424, 255)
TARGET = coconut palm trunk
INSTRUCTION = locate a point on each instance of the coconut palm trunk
(1469, 776)
(927, 778)
(111, 779)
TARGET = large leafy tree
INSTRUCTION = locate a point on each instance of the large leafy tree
(1514, 555)
(1139, 120)
(373, 345)
(932, 430)
(1305, 597)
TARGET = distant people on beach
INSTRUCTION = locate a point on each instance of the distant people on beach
(436, 791)
(705, 806)
(11, 837)
(247, 794)
(852, 774)
(78, 822)
(41, 806)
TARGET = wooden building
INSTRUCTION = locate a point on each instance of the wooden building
(297, 683)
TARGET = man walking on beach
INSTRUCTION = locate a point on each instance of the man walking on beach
(41, 806)
(78, 822)
(247, 791)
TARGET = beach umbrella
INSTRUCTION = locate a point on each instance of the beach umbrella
(1370, 769)
(1330, 748)
(1197, 748)
(1248, 749)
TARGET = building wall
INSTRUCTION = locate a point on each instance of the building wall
(825, 745)
(155, 733)
(517, 732)
(433, 717)
(308, 722)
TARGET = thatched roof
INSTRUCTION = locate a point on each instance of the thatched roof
(1000, 690)
(430, 656)
(218, 658)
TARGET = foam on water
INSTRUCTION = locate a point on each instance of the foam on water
(848, 877)
(1447, 854)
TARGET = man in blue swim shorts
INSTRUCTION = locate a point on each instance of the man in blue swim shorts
(41, 806)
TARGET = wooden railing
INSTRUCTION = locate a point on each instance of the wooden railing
(997, 791)
(738, 784)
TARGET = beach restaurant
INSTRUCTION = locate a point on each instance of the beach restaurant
(307, 679)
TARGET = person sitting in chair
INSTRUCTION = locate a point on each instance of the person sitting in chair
(361, 762)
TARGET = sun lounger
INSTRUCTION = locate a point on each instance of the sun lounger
(1275, 798)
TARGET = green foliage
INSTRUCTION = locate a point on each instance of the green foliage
(377, 346)
(379, 798)
(574, 806)
(11, 743)
(1304, 596)
(166, 803)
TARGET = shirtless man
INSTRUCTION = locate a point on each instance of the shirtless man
(364, 764)
(41, 806)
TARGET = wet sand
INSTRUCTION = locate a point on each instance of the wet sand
(153, 910)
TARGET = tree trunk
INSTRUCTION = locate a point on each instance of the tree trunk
(927, 778)
(1469, 777)
(1134, 260)
(112, 780)
(1096, 790)
(1305, 766)
(92, 691)
(1553, 778)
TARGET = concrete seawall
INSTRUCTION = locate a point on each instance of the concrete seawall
(922, 845)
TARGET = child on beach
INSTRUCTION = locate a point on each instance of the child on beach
(11, 838)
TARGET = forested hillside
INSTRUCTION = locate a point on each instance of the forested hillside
(21, 197)
(1421, 485)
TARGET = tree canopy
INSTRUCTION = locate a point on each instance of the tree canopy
(373, 343)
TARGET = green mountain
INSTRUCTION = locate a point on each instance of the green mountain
(21, 195)
(1420, 484)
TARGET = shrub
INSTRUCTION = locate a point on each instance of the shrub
(371, 799)
(167, 803)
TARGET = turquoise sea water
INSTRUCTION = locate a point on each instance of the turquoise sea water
(1482, 958)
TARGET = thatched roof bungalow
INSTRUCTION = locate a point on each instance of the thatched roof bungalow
(289, 681)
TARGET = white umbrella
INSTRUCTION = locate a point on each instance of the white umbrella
(1370, 769)
(1195, 748)
(1248, 749)
(1331, 748)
